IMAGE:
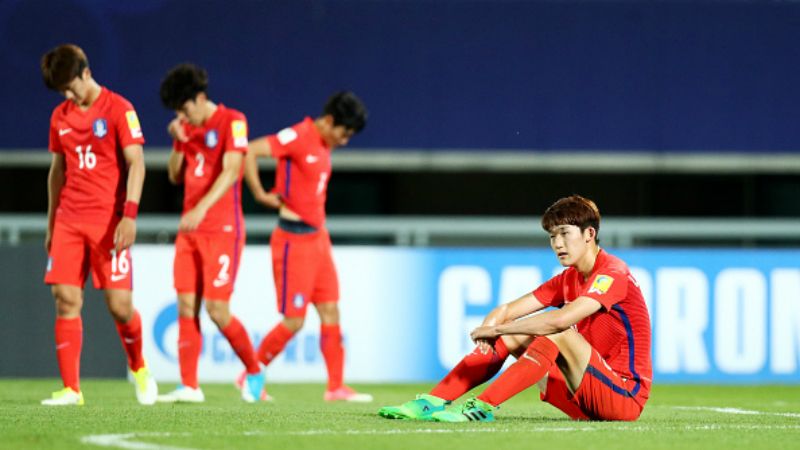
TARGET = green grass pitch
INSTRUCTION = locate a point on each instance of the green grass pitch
(685, 417)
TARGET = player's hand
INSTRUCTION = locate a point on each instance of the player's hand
(125, 234)
(175, 129)
(484, 333)
(191, 220)
(269, 199)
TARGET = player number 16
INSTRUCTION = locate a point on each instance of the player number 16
(86, 158)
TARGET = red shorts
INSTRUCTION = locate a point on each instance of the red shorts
(78, 247)
(602, 394)
(302, 265)
(206, 264)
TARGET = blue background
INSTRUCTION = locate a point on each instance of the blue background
(438, 74)
(709, 261)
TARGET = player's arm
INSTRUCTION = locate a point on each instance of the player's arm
(125, 234)
(175, 167)
(508, 312)
(55, 182)
(231, 167)
(549, 322)
(255, 149)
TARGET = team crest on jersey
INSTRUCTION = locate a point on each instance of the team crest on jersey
(100, 128)
(212, 138)
(239, 132)
(298, 301)
(601, 284)
(133, 124)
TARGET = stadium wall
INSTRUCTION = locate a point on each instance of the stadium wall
(665, 76)
(26, 324)
(719, 316)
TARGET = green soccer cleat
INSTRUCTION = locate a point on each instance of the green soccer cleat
(473, 410)
(420, 409)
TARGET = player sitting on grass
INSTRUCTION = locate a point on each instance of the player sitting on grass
(590, 355)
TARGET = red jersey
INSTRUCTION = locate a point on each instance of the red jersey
(620, 330)
(225, 131)
(92, 142)
(304, 168)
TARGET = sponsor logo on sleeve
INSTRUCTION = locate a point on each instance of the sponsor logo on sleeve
(286, 135)
(239, 132)
(100, 128)
(601, 284)
(133, 124)
(212, 138)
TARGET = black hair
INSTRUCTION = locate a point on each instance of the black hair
(347, 110)
(61, 65)
(182, 83)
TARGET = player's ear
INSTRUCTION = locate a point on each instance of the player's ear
(591, 233)
(86, 74)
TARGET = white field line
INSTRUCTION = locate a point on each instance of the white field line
(129, 441)
(748, 412)
(125, 441)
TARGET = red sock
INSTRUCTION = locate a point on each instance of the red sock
(69, 339)
(476, 368)
(527, 371)
(131, 336)
(273, 343)
(330, 342)
(190, 344)
(240, 341)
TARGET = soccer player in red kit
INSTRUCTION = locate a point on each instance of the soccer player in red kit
(94, 186)
(590, 354)
(210, 144)
(302, 262)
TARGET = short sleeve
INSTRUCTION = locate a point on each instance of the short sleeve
(129, 130)
(237, 134)
(282, 143)
(608, 288)
(54, 143)
(551, 292)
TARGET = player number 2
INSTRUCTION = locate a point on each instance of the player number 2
(198, 170)
(86, 159)
(225, 261)
(119, 263)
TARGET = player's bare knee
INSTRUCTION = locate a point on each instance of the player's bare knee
(328, 312)
(219, 312)
(69, 300)
(120, 305)
(294, 324)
